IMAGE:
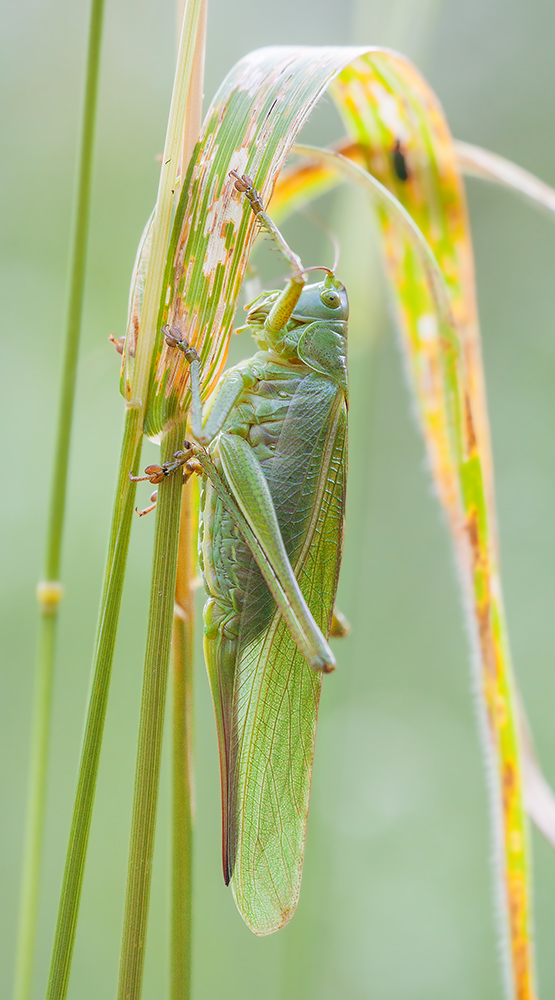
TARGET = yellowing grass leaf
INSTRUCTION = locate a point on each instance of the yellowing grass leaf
(477, 162)
(398, 132)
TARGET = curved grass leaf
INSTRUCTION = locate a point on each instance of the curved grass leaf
(477, 162)
(397, 130)
(320, 171)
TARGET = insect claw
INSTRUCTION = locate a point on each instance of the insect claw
(173, 338)
(245, 185)
(241, 182)
(146, 510)
(119, 343)
(153, 474)
(190, 467)
(157, 473)
(183, 455)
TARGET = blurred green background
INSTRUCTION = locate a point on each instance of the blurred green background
(397, 900)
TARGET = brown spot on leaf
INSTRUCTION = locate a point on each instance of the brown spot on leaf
(469, 424)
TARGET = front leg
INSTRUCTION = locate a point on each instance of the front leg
(283, 308)
(231, 388)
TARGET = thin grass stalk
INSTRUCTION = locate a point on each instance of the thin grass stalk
(182, 839)
(49, 592)
(183, 637)
(36, 800)
(182, 832)
(151, 727)
(106, 637)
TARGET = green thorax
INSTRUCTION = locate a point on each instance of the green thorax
(316, 334)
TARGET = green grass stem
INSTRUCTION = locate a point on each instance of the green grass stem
(50, 592)
(182, 646)
(183, 625)
(36, 797)
(76, 293)
(182, 846)
(151, 726)
(98, 700)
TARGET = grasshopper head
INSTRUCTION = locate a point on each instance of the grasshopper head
(324, 303)
(325, 300)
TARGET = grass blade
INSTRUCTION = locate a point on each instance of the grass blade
(151, 727)
(183, 647)
(70, 896)
(182, 657)
(139, 361)
(477, 162)
(36, 796)
(50, 591)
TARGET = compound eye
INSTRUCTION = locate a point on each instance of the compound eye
(330, 298)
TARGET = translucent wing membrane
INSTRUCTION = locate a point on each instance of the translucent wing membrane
(276, 704)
